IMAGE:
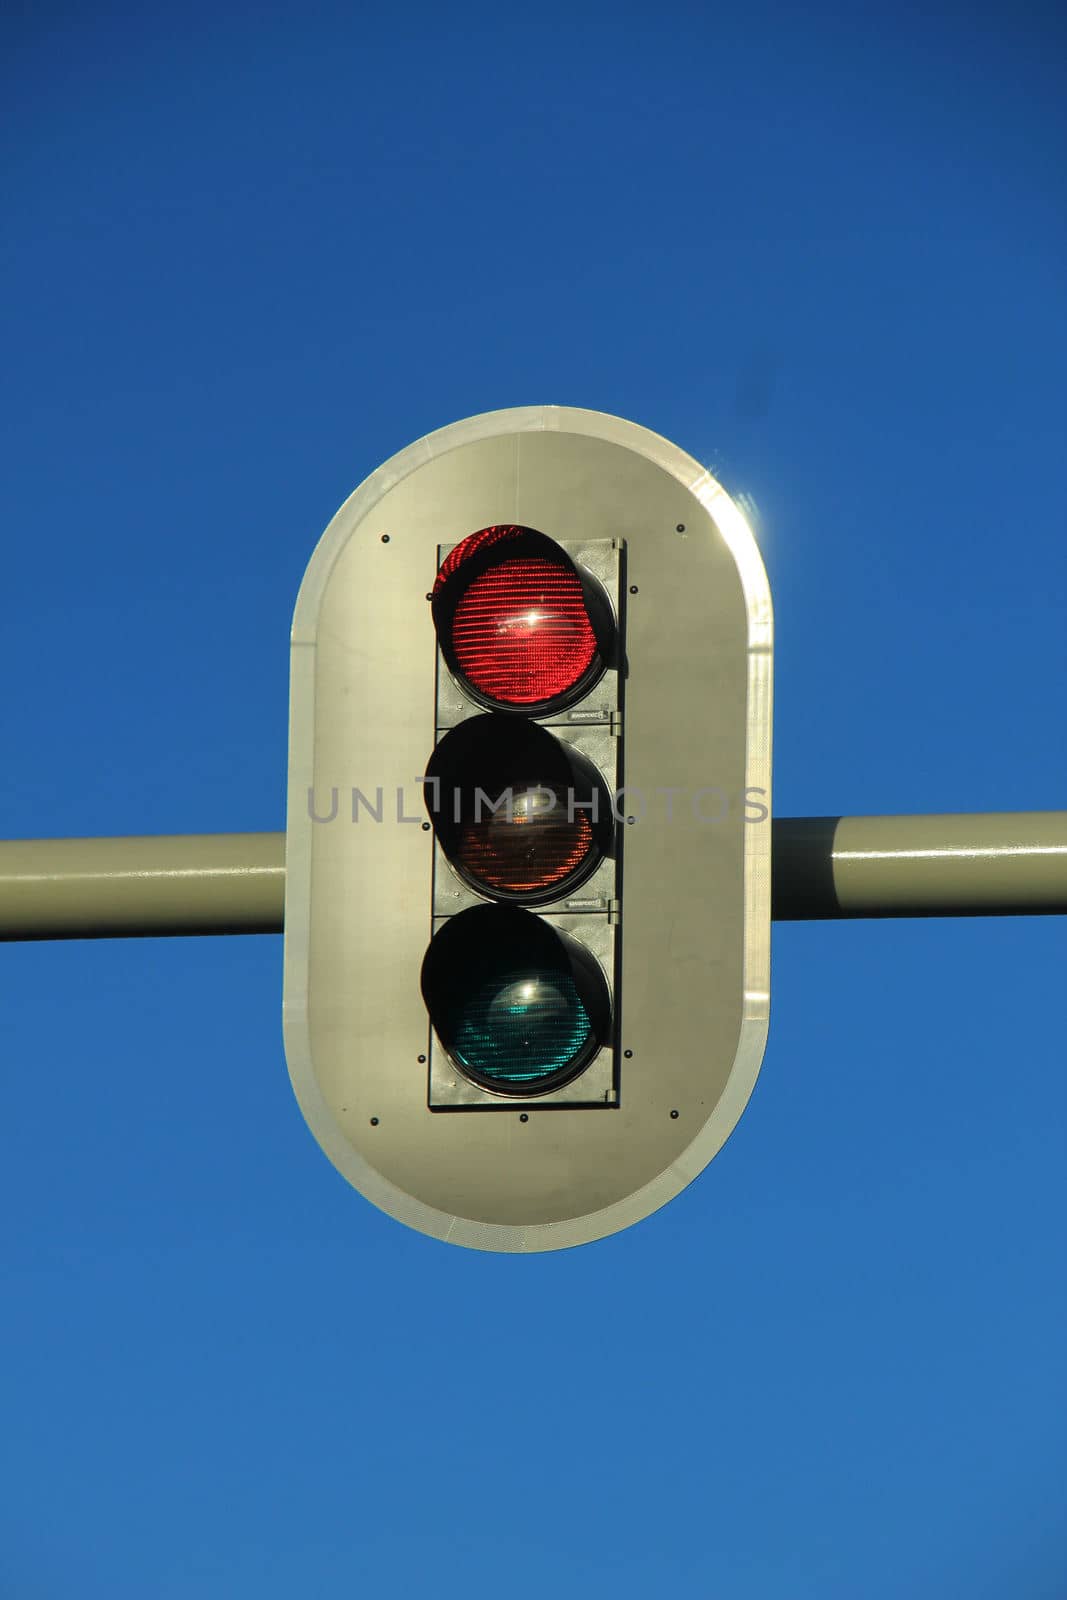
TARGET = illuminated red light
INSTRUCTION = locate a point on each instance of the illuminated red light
(513, 614)
(521, 633)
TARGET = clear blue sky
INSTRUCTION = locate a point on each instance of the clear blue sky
(248, 254)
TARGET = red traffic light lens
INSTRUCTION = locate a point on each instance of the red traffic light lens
(514, 616)
(521, 633)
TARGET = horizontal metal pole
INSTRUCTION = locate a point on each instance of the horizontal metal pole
(115, 888)
(990, 864)
(979, 864)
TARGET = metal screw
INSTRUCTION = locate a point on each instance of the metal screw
(633, 588)
(385, 538)
(674, 1114)
(631, 820)
(627, 1054)
(523, 1117)
(426, 827)
(429, 597)
(422, 1060)
(374, 1122)
(680, 528)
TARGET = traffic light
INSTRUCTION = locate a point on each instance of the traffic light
(520, 792)
(527, 919)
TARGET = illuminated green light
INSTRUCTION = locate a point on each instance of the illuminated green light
(520, 1026)
(519, 1005)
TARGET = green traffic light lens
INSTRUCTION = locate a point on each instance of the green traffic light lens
(521, 1027)
(520, 1006)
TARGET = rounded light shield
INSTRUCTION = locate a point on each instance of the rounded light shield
(522, 628)
(520, 1007)
(519, 814)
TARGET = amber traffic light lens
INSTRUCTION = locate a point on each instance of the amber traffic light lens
(520, 813)
(529, 846)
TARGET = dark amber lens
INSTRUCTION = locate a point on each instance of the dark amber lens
(519, 813)
(532, 842)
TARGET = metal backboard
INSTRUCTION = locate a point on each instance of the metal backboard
(694, 935)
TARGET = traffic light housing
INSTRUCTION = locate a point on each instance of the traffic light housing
(528, 847)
